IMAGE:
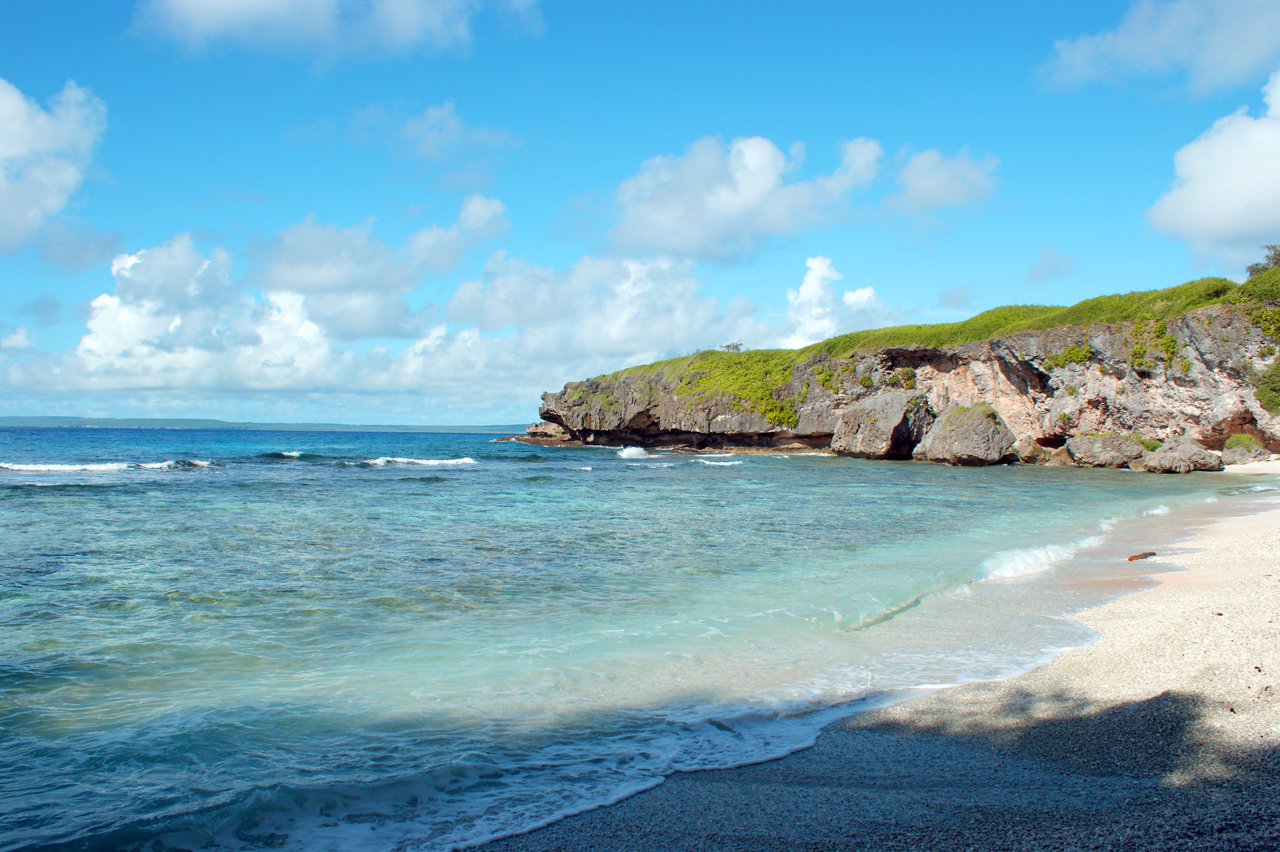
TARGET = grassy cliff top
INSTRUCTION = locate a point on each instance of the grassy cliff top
(756, 377)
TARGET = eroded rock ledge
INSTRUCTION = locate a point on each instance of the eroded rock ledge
(1070, 395)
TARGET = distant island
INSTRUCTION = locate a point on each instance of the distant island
(1148, 380)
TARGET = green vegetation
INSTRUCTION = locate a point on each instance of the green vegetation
(997, 322)
(827, 378)
(1242, 441)
(759, 380)
(1071, 390)
(1267, 388)
(1267, 351)
(1145, 443)
(1071, 355)
(1271, 261)
(756, 380)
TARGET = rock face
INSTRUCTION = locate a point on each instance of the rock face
(1029, 452)
(967, 436)
(1178, 456)
(1104, 451)
(1245, 455)
(886, 426)
(1194, 378)
(548, 432)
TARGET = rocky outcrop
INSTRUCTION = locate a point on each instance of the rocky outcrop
(1104, 450)
(967, 436)
(548, 432)
(885, 426)
(1192, 376)
(1181, 455)
(1245, 455)
(1030, 452)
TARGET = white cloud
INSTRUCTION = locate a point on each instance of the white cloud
(718, 203)
(1216, 43)
(331, 25)
(1051, 265)
(439, 133)
(17, 340)
(180, 325)
(355, 284)
(931, 180)
(176, 323)
(814, 313)
(1225, 198)
(43, 155)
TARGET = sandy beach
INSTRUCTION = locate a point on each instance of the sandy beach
(1164, 734)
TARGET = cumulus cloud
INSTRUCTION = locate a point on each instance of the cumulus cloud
(1051, 265)
(815, 313)
(354, 283)
(177, 322)
(330, 25)
(717, 202)
(17, 340)
(1225, 197)
(930, 180)
(1215, 43)
(43, 156)
(439, 133)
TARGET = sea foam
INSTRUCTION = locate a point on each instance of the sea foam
(104, 467)
(1031, 560)
(383, 461)
(633, 453)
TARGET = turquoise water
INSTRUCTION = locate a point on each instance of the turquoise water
(330, 640)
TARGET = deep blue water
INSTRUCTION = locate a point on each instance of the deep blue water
(337, 640)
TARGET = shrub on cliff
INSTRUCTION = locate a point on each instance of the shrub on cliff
(1271, 261)
(1242, 441)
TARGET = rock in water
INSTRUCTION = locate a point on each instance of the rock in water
(1060, 457)
(1178, 456)
(548, 431)
(1104, 451)
(1030, 452)
(885, 426)
(967, 436)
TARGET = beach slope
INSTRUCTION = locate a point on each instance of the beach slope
(1165, 734)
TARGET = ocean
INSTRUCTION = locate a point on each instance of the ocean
(423, 640)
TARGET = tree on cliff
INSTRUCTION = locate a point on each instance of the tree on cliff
(1271, 261)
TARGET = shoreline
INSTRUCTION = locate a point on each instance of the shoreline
(1164, 733)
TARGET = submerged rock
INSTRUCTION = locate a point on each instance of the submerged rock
(1181, 455)
(967, 436)
(1104, 450)
(885, 426)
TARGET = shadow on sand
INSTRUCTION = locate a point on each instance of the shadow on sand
(1022, 772)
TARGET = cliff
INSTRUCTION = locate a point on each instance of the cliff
(1196, 361)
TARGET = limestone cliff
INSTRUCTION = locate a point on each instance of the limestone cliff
(1192, 377)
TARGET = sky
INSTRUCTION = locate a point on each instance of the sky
(431, 211)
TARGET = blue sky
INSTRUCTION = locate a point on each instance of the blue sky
(430, 211)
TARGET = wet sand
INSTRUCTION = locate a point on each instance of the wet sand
(1165, 734)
